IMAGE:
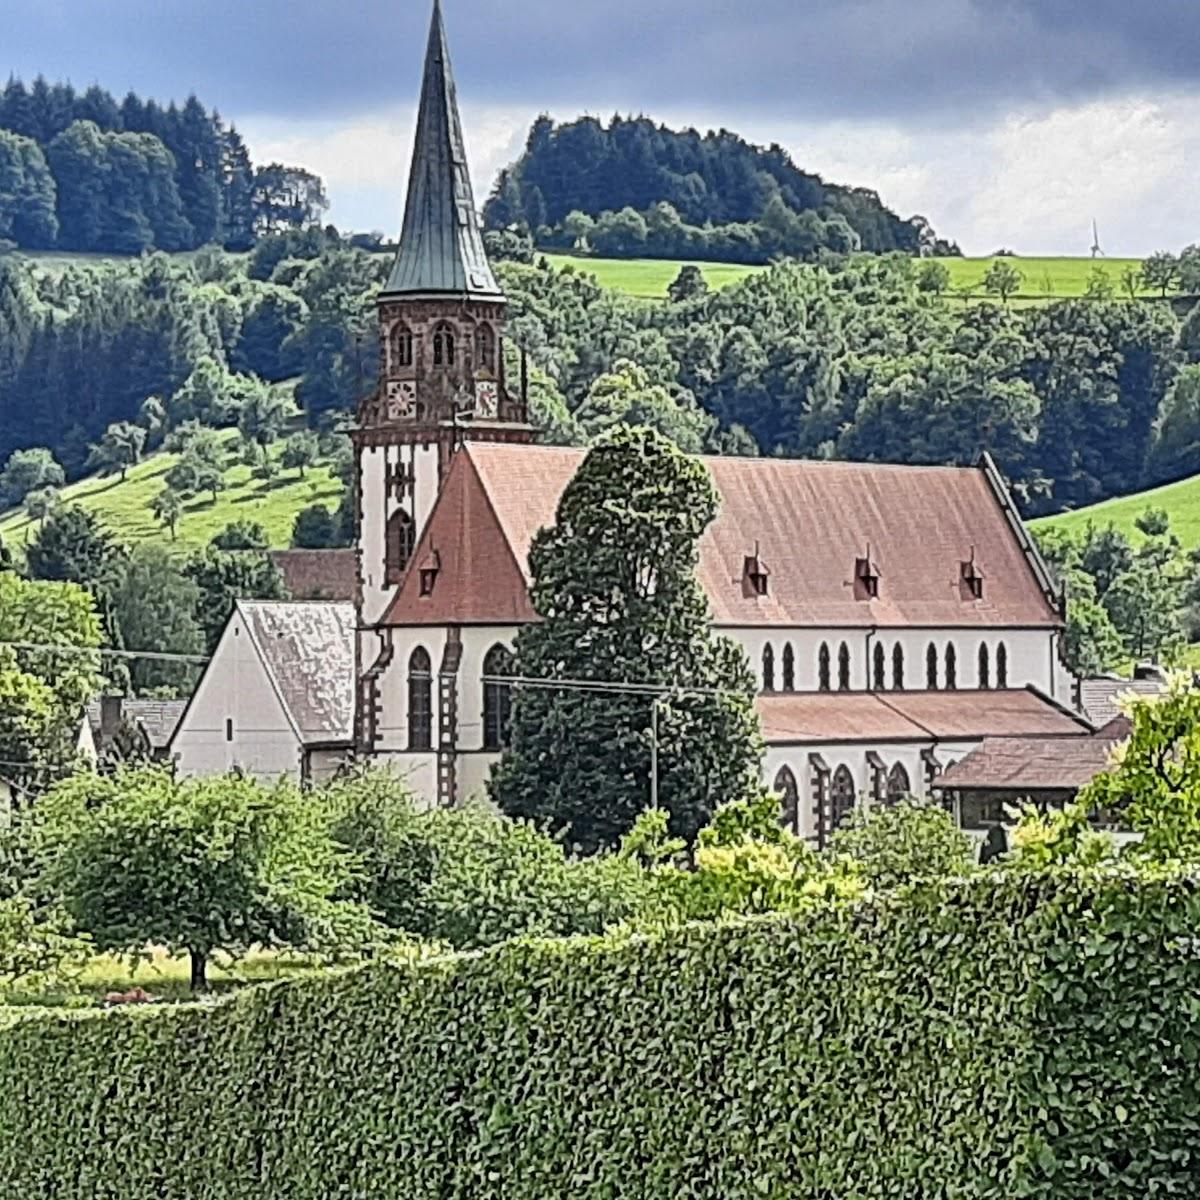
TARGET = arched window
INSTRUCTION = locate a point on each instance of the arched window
(789, 800)
(485, 347)
(843, 668)
(768, 668)
(898, 667)
(985, 666)
(880, 667)
(420, 700)
(841, 796)
(401, 538)
(497, 698)
(951, 668)
(898, 785)
(1002, 666)
(823, 668)
(443, 346)
(931, 668)
(402, 347)
(789, 668)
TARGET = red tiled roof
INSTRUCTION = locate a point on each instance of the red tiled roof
(804, 717)
(810, 520)
(318, 574)
(1035, 764)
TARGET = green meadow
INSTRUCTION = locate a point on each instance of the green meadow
(1181, 502)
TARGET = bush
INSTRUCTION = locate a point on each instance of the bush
(1005, 1036)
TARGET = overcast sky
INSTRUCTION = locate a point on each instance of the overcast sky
(1005, 122)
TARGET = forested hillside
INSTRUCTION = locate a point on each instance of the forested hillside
(633, 188)
(1077, 400)
(80, 171)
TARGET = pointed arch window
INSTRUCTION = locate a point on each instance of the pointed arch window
(898, 785)
(443, 345)
(841, 797)
(402, 347)
(768, 668)
(789, 668)
(898, 668)
(931, 675)
(497, 698)
(485, 347)
(823, 670)
(985, 666)
(420, 700)
(951, 667)
(880, 665)
(1002, 666)
(843, 668)
(401, 538)
(789, 800)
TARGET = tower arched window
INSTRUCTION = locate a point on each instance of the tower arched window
(931, 675)
(951, 667)
(1002, 666)
(880, 667)
(401, 538)
(789, 800)
(420, 700)
(843, 668)
(768, 668)
(898, 785)
(485, 347)
(841, 797)
(443, 346)
(898, 668)
(823, 670)
(497, 698)
(985, 666)
(402, 346)
(789, 668)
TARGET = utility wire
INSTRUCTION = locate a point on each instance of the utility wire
(61, 648)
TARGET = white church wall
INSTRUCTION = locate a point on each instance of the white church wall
(235, 718)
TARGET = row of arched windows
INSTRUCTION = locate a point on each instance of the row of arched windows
(946, 677)
(497, 699)
(445, 346)
(842, 794)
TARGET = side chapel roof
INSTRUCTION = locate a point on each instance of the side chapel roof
(810, 522)
(441, 244)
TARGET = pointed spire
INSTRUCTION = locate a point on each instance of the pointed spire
(441, 245)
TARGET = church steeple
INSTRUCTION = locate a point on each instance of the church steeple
(441, 247)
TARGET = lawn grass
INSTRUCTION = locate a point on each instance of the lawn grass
(648, 278)
(124, 506)
(1180, 500)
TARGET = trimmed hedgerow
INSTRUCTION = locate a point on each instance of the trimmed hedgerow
(1008, 1036)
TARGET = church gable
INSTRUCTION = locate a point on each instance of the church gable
(464, 570)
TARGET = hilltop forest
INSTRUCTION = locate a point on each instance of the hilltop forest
(637, 189)
(82, 172)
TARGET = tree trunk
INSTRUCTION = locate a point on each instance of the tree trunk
(199, 970)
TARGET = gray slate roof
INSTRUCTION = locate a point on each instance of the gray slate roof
(157, 718)
(1099, 698)
(441, 245)
(308, 650)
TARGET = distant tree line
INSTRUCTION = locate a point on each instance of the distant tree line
(636, 188)
(82, 172)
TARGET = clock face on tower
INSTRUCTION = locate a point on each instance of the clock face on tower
(487, 399)
(401, 400)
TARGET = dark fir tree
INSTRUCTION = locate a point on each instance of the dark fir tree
(615, 588)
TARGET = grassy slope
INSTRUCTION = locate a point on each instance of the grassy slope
(125, 507)
(1180, 500)
(648, 277)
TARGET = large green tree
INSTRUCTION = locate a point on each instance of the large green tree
(615, 589)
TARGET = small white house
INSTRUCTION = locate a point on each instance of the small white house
(277, 698)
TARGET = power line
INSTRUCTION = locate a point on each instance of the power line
(614, 687)
(60, 648)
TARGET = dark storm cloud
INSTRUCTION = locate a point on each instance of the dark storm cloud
(896, 59)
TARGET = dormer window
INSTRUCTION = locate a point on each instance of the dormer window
(757, 574)
(972, 578)
(866, 575)
(428, 572)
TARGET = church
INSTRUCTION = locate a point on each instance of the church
(895, 616)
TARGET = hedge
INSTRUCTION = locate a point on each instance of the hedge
(1004, 1037)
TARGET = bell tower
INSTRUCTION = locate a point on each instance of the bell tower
(441, 333)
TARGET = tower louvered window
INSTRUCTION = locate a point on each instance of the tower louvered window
(401, 538)
(443, 346)
(485, 347)
(402, 347)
